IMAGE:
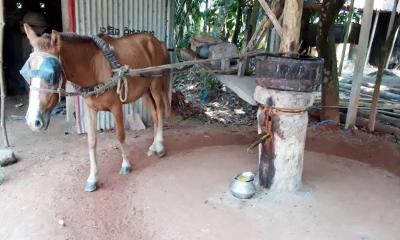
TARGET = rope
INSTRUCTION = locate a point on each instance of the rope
(122, 89)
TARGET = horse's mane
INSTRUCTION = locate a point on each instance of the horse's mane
(75, 38)
(44, 41)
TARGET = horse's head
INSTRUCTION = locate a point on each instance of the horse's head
(42, 71)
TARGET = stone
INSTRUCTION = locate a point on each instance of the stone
(223, 50)
(61, 223)
(7, 157)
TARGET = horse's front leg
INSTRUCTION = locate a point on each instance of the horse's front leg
(91, 184)
(126, 167)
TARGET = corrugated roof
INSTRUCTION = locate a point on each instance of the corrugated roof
(383, 5)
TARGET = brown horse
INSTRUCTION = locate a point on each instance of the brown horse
(85, 65)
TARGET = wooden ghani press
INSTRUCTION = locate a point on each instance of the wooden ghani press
(284, 93)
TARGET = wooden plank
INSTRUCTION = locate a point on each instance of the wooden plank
(359, 66)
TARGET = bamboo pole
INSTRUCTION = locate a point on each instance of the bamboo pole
(265, 24)
(2, 87)
(391, 22)
(391, 50)
(346, 36)
(272, 17)
(359, 66)
(371, 41)
(382, 60)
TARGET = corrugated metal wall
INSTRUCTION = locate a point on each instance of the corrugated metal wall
(117, 17)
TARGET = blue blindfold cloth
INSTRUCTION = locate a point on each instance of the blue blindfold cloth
(49, 71)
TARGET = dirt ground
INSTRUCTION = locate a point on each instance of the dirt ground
(351, 187)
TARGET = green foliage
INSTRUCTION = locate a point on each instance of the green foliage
(341, 19)
(207, 80)
(218, 19)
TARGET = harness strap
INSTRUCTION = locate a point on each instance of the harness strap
(107, 51)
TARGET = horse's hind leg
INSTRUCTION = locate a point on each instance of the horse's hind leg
(149, 101)
(157, 94)
(91, 184)
(126, 167)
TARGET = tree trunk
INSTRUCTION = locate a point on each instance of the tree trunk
(254, 16)
(383, 58)
(291, 26)
(326, 50)
(205, 18)
(238, 25)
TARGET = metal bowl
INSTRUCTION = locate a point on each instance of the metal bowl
(242, 185)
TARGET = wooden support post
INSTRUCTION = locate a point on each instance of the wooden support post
(2, 83)
(359, 65)
(346, 36)
(371, 41)
(291, 26)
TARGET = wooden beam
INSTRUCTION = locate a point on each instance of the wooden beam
(292, 13)
(272, 17)
(2, 83)
(359, 65)
(65, 16)
(265, 24)
(180, 65)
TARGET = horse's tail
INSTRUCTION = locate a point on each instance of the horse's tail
(166, 93)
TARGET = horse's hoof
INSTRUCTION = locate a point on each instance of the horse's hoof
(161, 154)
(151, 153)
(125, 170)
(90, 186)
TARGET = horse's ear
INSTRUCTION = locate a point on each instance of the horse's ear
(55, 38)
(30, 33)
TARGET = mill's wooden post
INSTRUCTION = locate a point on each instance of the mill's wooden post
(284, 93)
(291, 26)
(2, 91)
(2, 86)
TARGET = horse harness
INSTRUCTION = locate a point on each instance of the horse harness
(50, 71)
